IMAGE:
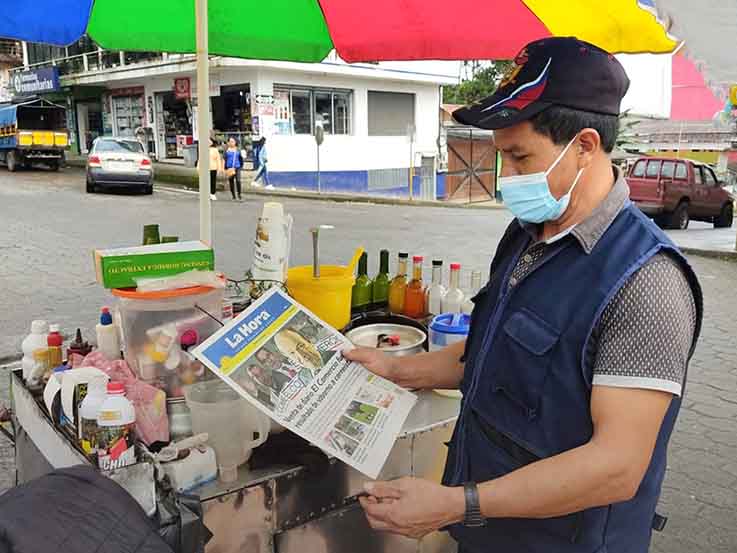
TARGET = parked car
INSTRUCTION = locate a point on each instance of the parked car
(674, 191)
(119, 163)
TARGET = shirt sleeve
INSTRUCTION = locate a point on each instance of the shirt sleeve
(646, 332)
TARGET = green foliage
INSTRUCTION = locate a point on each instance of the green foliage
(484, 82)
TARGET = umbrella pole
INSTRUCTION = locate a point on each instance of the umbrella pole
(203, 120)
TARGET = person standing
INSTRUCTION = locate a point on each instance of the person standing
(262, 172)
(233, 165)
(216, 166)
(577, 357)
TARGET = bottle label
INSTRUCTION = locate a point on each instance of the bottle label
(110, 416)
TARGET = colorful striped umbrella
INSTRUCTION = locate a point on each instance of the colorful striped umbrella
(307, 30)
(360, 30)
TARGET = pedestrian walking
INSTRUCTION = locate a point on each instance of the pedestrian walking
(576, 361)
(233, 165)
(263, 172)
(216, 166)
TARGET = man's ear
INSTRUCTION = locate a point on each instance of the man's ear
(587, 145)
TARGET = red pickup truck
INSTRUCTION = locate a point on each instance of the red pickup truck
(675, 191)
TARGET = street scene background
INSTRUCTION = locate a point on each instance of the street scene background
(50, 227)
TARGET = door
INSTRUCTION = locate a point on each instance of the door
(83, 130)
(713, 197)
(698, 193)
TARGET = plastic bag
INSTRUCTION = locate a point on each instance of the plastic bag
(182, 280)
(149, 402)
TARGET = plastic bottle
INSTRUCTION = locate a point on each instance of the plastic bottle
(467, 306)
(88, 412)
(54, 342)
(115, 420)
(381, 282)
(398, 286)
(271, 248)
(363, 289)
(108, 339)
(414, 298)
(36, 340)
(435, 292)
(453, 298)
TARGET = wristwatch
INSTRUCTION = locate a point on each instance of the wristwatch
(472, 518)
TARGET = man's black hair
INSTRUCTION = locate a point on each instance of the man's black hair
(561, 124)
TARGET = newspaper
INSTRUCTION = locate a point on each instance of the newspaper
(288, 363)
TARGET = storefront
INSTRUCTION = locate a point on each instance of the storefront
(173, 121)
(128, 110)
(231, 110)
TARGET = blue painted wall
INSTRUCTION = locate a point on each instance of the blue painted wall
(347, 182)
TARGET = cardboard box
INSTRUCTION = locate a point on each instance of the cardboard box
(118, 267)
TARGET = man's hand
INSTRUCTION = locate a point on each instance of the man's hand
(375, 360)
(412, 507)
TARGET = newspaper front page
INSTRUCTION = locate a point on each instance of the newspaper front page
(288, 363)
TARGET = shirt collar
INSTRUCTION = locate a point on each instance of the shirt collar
(590, 230)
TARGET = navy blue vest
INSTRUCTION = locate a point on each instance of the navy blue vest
(527, 388)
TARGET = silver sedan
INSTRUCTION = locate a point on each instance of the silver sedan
(119, 163)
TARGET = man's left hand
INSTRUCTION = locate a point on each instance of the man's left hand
(412, 507)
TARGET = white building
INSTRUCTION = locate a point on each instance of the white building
(367, 112)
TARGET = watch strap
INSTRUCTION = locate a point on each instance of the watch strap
(473, 516)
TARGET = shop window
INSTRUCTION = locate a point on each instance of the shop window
(297, 110)
(390, 113)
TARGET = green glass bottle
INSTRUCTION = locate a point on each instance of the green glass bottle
(381, 282)
(363, 288)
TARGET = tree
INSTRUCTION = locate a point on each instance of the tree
(483, 83)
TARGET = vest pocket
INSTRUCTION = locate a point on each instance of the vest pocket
(528, 347)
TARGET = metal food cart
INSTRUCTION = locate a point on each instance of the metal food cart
(282, 509)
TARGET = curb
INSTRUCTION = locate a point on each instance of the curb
(711, 254)
(175, 177)
(341, 198)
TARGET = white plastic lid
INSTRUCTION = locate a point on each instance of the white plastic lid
(53, 328)
(272, 210)
(39, 327)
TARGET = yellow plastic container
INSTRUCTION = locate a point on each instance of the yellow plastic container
(328, 297)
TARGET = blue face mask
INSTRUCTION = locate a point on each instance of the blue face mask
(528, 197)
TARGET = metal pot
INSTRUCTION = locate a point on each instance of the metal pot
(394, 339)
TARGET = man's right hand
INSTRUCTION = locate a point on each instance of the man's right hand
(376, 361)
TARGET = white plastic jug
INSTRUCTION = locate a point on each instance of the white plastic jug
(271, 248)
(230, 421)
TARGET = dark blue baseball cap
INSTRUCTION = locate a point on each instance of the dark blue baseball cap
(562, 71)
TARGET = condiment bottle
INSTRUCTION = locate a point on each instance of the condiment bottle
(116, 420)
(54, 342)
(453, 298)
(398, 286)
(435, 292)
(32, 343)
(363, 288)
(79, 346)
(108, 340)
(414, 298)
(467, 306)
(88, 412)
(381, 282)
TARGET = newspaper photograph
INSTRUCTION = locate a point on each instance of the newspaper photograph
(288, 363)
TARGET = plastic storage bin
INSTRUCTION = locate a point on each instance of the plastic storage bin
(159, 327)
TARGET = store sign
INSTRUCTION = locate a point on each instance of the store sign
(128, 91)
(182, 88)
(36, 81)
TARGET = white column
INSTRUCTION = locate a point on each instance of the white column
(203, 119)
(24, 45)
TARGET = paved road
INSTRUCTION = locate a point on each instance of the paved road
(50, 228)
